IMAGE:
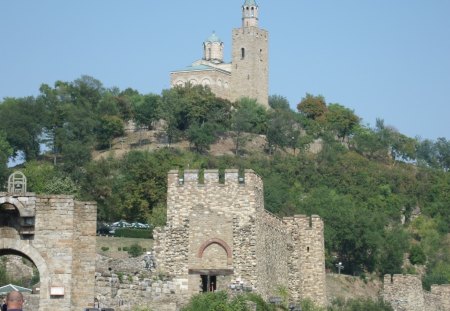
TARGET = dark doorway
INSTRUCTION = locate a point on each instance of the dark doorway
(209, 283)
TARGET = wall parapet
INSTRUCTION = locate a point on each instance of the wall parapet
(209, 177)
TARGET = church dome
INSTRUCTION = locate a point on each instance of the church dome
(250, 3)
(213, 38)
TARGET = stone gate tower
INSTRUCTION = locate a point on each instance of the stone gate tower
(248, 73)
(57, 234)
(220, 237)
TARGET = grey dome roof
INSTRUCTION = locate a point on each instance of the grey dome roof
(250, 3)
(213, 38)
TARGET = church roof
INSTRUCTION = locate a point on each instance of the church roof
(250, 3)
(213, 38)
(201, 67)
(197, 68)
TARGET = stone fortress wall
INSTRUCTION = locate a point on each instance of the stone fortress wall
(222, 229)
(405, 293)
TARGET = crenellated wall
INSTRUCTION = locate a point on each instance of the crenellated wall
(222, 229)
(307, 260)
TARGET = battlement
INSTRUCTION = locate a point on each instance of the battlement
(313, 222)
(212, 177)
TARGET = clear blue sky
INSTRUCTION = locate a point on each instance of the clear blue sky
(383, 58)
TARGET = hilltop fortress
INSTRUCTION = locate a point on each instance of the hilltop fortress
(248, 73)
(219, 237)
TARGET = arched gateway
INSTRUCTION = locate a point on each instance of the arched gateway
(57, 234)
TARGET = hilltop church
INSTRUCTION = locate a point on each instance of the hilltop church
(248, 73)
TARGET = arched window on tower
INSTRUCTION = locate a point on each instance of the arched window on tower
(242, 53)
(253, 12)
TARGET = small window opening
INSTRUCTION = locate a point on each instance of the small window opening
(209, 283)
(307, 249)
(242, 53)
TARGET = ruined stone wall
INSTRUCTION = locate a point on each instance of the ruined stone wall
(441, 294)
(404, 292)
(271, 253)
(126, 292)
(307, 258)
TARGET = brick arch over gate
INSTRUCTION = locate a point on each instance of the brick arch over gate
(23, 248)
(219, 242)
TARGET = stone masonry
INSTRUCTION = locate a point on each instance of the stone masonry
(57, 234)
(405, 293)
(221, 232)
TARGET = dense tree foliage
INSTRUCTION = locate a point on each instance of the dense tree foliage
(365, 182)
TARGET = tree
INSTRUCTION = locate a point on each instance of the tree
(201, 136)
(395, 246)
(147, 110)
(341, 120)
(279, 102)
(249, 117)
(5, 152)
(20, 121)
(109, 128)
(283, 130)
(443, 150)
(313, 107)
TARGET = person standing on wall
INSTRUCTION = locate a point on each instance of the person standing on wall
(14, 301)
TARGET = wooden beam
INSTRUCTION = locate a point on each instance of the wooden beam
(211, 271)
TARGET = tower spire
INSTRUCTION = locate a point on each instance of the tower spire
(250, 14)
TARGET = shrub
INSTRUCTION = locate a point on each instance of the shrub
(359, 304)
(105, 248)
(133, 233)
(417, 255)
(135, 250)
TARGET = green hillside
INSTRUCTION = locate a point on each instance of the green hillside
(381, 194)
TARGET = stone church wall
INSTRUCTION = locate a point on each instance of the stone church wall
(218, 81)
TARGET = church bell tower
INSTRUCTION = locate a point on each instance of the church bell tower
(250, 14)
(250, 57)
